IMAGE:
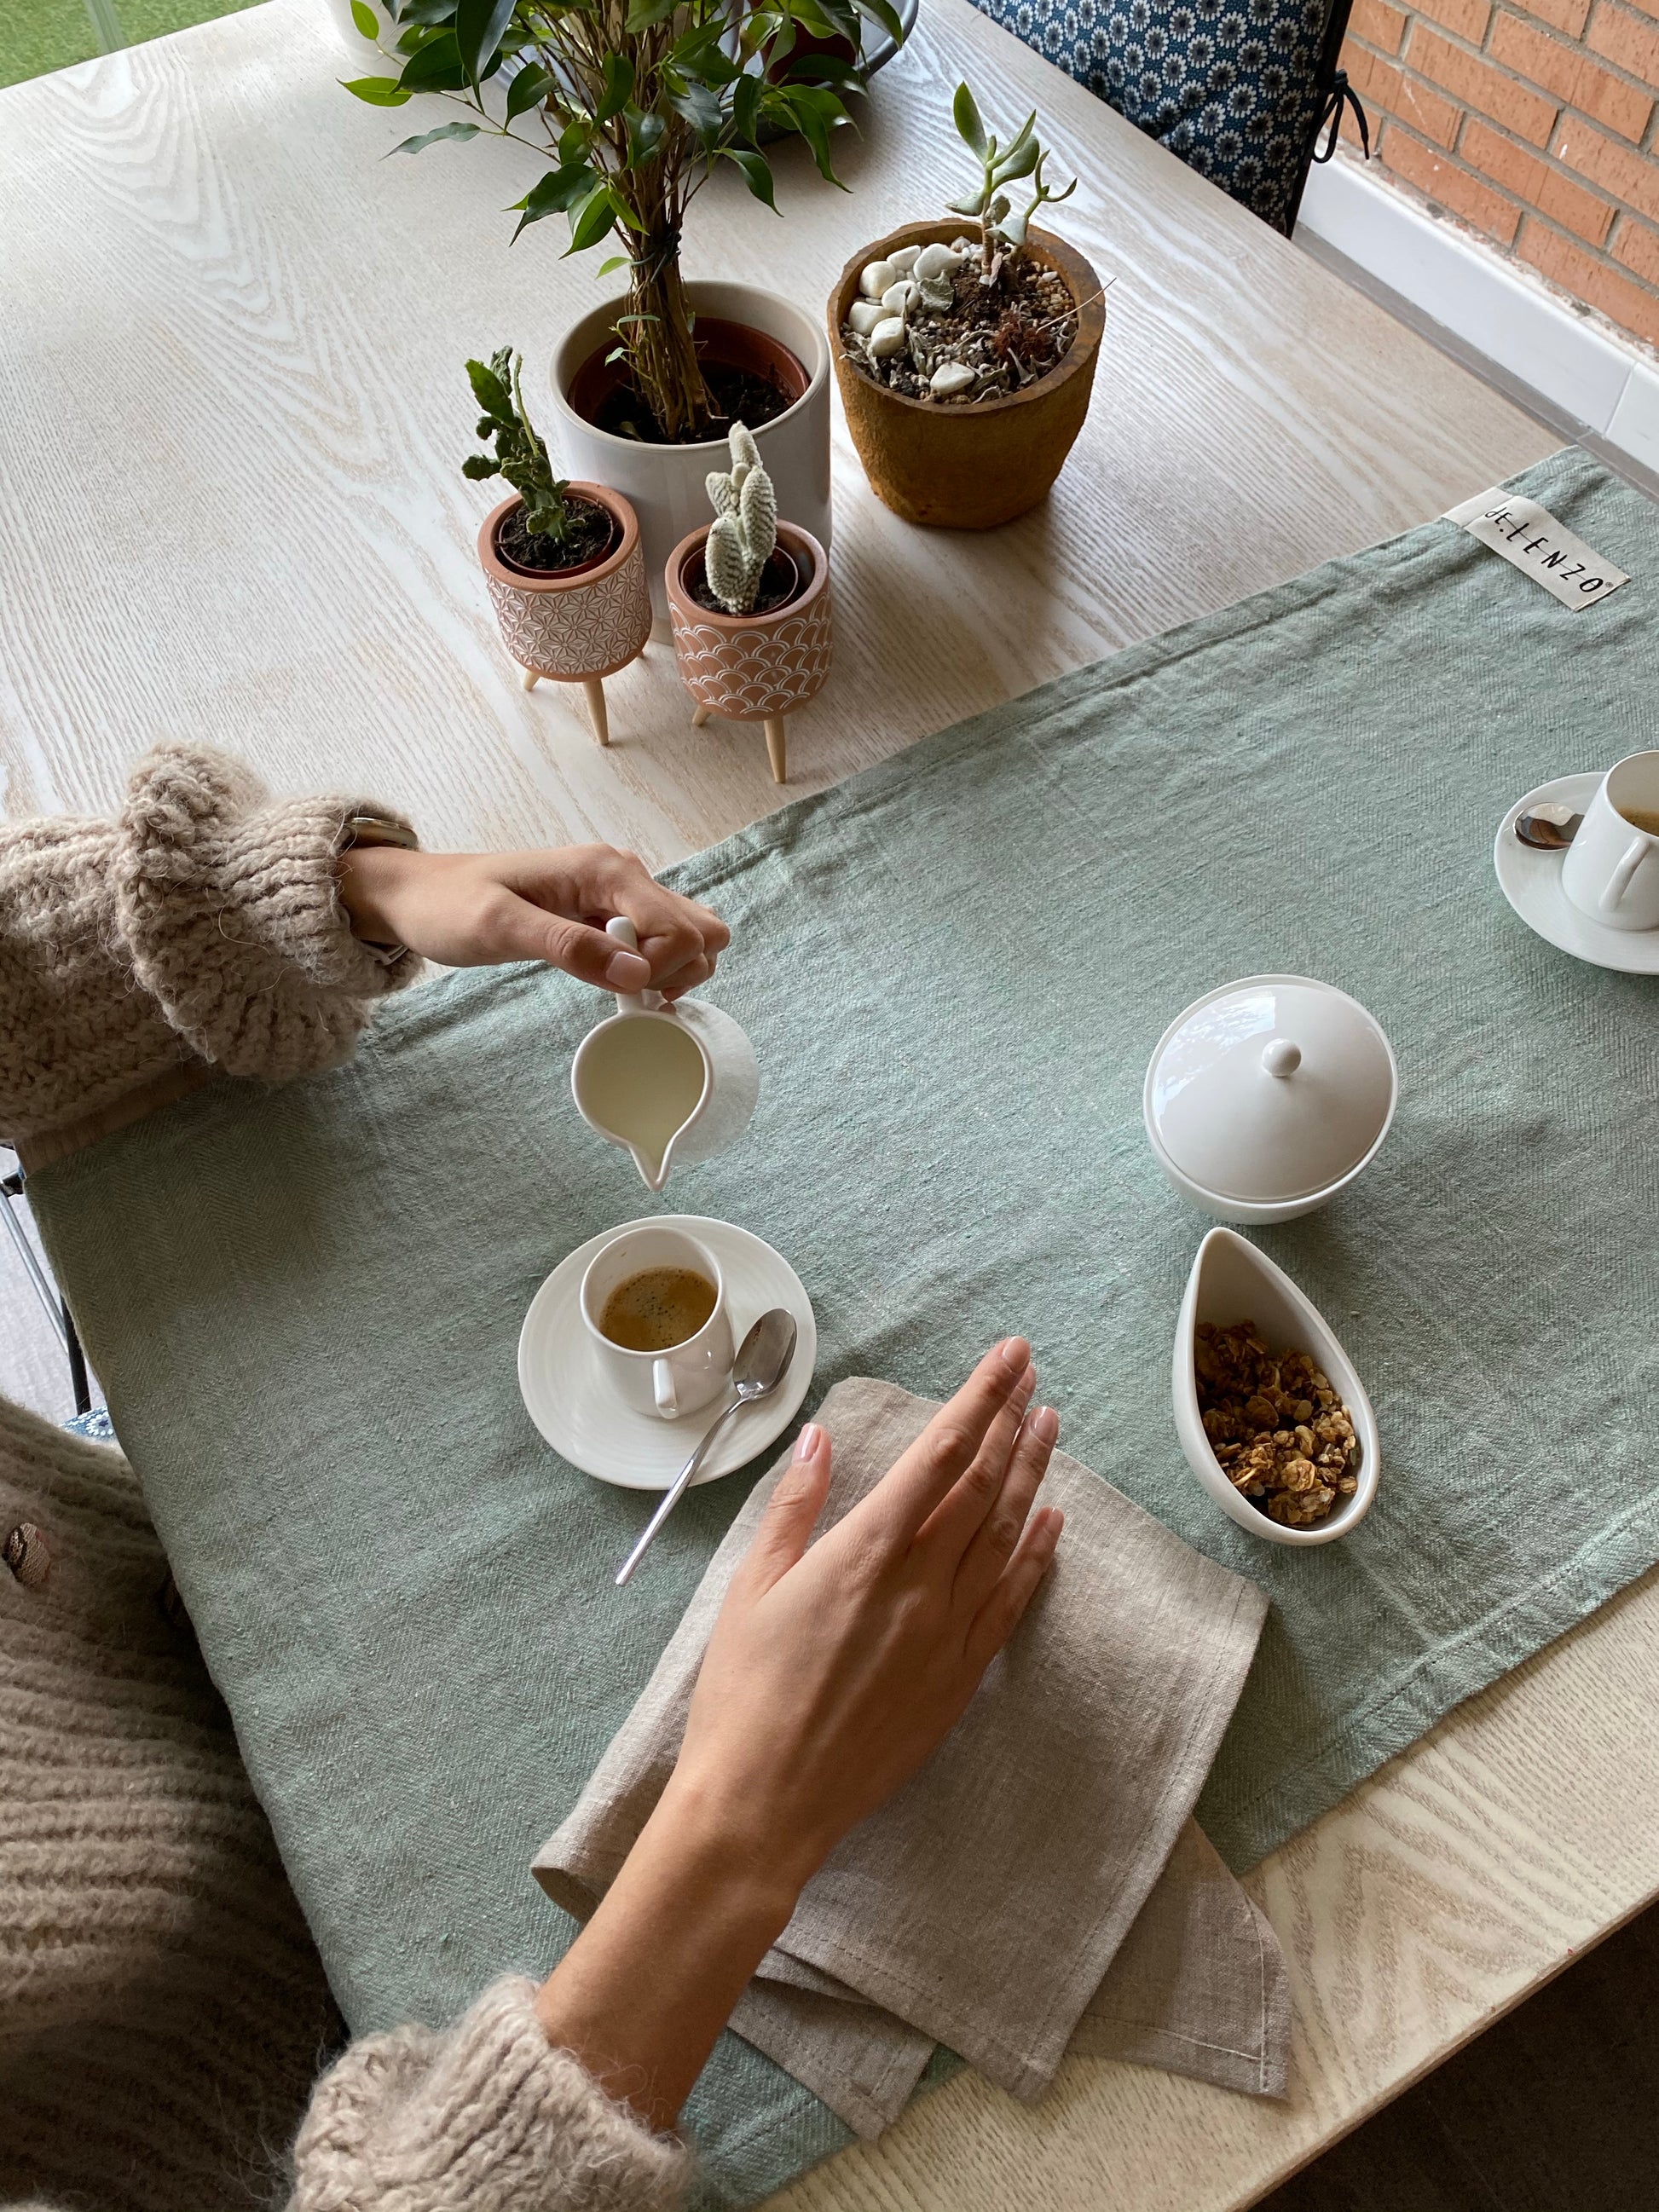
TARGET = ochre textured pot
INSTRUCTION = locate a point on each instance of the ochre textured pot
(968, 467)
(579, 626)
(754, 668)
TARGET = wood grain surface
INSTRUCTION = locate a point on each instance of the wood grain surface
(234, 411)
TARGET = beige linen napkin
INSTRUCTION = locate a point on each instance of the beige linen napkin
(1047, 1841)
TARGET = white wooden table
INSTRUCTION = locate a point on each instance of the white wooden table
(233, 412)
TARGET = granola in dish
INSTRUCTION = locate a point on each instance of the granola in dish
(1283, 1436)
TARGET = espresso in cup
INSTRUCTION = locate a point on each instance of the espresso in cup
(658, 1308)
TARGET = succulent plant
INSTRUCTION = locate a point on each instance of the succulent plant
(1001, 226)
(519, 454)
(745, 526)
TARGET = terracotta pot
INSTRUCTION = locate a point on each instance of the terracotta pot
(665, 483)
(968, 467)
(759, 667)
(579, 625)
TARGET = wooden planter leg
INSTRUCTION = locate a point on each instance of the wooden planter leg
(530, 680)
(700, 715)
(594, 687)
(774, 747)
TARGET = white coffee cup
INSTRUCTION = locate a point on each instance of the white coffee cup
(1612, 869)
(686, 1376)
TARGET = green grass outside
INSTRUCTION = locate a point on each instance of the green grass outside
(38, 35)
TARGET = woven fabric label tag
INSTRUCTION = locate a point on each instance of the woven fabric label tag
(1529, 536)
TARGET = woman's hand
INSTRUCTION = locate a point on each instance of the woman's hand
(473, 910)
(834, 1669)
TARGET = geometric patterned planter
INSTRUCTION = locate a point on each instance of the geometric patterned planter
(574, 629)
(754, 668)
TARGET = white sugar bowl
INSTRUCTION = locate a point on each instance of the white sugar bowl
(1266, 1097)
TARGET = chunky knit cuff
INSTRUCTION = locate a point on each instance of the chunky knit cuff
(488, 2116)
(228, 905)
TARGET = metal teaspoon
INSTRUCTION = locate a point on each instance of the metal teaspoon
(762, 1363)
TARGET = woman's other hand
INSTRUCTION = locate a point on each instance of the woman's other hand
(834, 1669)
(474, 909)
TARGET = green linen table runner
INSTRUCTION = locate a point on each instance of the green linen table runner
(305, 1305)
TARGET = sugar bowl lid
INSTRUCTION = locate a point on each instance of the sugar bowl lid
(1271, 1089)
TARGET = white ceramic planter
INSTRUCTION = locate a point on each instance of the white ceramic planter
(664, 483)
(1231, 1281)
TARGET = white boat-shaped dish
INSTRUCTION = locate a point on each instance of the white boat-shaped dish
(1231, 1281)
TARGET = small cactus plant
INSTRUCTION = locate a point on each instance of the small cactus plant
(745, 526)
(519, 454)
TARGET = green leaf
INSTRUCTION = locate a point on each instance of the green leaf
(576, 141)
(609, 267)
(1018, 161)
(527, 90)
(431, 137)
(645, 13)
(436, 68)
(757, 171)
(377, 91)
(745, 106)
(965, 113)
(701, 108)
(881, 12)
(617, 88)
(368, 22)
(490, 392)
(590, 221)
(480, 27)
(826, 69)
(427, 11)
(644, 136)
(477, 466)
(559, 190)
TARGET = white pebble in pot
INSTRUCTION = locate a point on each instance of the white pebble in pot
(896, 298)
(886, 337)
(937, 261)
(865, 314)
(875, 277)
(950, 378)
(904, 258)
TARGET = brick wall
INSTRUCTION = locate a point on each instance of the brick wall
(1535, 122)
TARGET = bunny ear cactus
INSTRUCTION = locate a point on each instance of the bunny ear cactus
(745, 526)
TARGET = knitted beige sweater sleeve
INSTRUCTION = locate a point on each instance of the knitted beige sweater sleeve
(202, 928)
(487, 2117)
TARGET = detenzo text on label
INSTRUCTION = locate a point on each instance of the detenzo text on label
(1529, 536)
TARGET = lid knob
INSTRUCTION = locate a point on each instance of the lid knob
(1281, 1057)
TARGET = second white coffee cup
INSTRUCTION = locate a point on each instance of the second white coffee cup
(678, 1378)
(1612, 869)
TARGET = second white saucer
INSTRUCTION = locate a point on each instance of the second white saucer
(1531, 882)
(565, 1391)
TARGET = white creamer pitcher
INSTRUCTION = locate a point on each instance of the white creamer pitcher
(669, 1083)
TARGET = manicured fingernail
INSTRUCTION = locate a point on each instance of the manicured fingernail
(627, 971)
(808, 1442)
(1045, 1424)
(1017, 1353)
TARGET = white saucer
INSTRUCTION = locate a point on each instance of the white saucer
(566, 1394)
(1531, 882)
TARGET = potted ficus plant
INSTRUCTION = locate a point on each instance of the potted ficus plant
(631, 104)
(966, 357)
(749, 600)
(563, 560)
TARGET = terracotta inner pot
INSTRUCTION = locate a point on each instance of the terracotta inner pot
(693, 572)
(613, 539)
(719, 345)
